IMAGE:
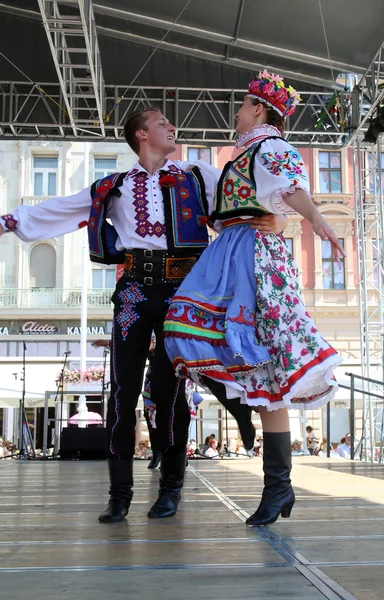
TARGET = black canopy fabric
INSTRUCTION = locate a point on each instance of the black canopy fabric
(214, 44)
(354, 32)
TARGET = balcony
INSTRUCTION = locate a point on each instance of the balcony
(52, 298)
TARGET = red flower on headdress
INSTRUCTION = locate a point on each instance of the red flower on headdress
(167, 181)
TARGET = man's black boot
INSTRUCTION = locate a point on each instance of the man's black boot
(278, 496)
(155, 460)
(120, 491)
(172, 470)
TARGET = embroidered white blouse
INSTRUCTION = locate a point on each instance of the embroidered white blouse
(57, 216)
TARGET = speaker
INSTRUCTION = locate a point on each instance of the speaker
(83, 443)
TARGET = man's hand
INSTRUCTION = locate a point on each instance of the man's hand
(269, 224)
(325, 232)
(100, 344)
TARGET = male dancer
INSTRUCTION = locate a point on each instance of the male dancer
(159, 213)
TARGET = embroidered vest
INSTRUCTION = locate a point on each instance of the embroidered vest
(236, 192)
(185, 210)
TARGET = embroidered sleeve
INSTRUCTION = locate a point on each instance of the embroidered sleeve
(51, 218)
(279, 170)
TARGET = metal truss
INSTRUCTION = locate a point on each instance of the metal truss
(200, 116)
(368, 163)
(367, 97)
(369, 211)
(72, 38)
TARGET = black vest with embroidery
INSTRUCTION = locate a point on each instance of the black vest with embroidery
(236, 192)
(185, 211)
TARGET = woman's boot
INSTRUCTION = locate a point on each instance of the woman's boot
(278, 496)
(172, 470)
(120, 491)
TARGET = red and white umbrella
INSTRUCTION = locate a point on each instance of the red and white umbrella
(90, 418)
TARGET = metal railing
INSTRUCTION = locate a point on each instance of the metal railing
(53, 298)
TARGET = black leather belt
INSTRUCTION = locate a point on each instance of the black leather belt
(152, 267)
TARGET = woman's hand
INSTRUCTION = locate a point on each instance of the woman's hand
(269, 224)
(326, 232)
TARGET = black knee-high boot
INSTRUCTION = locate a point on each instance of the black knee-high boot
(278, 496)
(120, 491)
(172, 471)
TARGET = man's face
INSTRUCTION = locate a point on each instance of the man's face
(246, 116)
(159, 135)
(348, 440)
(214, 444)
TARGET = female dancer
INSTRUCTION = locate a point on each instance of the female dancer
(238, 318)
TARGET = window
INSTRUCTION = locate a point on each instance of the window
(289, 244)
(195, 154)
(330, 172)
(332, 271)
(44, 175)
(42, 266)
(103, 278)
(104, 167)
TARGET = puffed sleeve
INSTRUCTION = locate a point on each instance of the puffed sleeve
(54, 217)
(279, 170)
(210, 174)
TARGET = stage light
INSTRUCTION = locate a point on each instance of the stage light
(376, 127)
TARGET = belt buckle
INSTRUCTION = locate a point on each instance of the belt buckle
(148, 253)
(148, 280)
(148, 267)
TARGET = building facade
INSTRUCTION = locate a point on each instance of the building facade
(40, 283)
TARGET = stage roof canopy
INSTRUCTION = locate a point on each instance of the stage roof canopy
(215, 44)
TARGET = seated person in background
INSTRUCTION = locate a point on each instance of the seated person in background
(212, 450)
(240, 450)
(191, 448)
(258, 449)
(344, 449)
(142, 450)
(297, 447)
(207, 442)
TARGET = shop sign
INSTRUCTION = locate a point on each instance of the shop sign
(4, 331)
(35, 328)
(92, 330)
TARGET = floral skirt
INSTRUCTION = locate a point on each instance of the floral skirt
(239, 318)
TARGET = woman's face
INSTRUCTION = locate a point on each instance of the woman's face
(247, 116)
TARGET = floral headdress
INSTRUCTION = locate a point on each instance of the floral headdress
(270, 89)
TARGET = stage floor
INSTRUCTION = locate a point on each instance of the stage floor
(52, 546)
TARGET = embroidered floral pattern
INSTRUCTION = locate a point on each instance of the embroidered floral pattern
(10, 222)
(288, 163)
(282, 323)
(144, 227)
(129, 297)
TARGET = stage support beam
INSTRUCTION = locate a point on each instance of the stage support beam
(72, 38)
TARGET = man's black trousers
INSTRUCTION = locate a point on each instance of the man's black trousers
(138, 310)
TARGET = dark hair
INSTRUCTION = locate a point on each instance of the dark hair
(273, 117)
(136, 121)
